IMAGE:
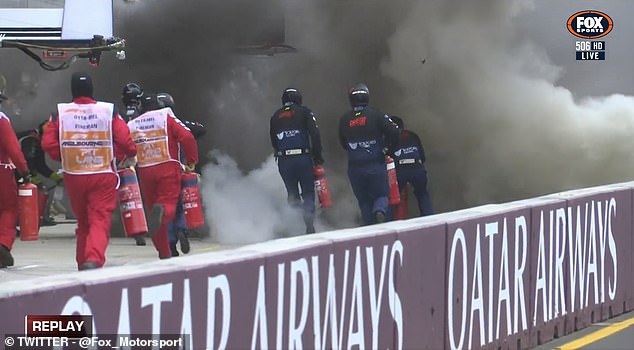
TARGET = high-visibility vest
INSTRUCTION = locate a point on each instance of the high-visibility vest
(86, 137)
(149, 132)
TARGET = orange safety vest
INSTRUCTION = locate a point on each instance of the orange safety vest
(149, 132)
(86, 137)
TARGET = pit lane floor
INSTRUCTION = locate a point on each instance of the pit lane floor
(54, 253)
(613, 334)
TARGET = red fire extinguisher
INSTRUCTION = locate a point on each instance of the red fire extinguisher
(321, 187)
(400, 210)
(29, 215)
(192, 204)
(131, 204)
(393, 197)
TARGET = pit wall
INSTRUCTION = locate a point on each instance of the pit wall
(507, 276)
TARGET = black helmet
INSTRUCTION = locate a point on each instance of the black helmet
(359, 95)
(291, 95)
(150, 102)
(81, 85)
(165, 99)
(398, 121)
(131, 94)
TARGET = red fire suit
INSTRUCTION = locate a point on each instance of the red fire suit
(89, 174)
(11, 157)
(160, 136)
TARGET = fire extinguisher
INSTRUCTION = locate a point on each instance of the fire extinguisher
(321, 187)
(29, 215)
(400, 210)
(192, 204)
(393, 197)
(131, 204)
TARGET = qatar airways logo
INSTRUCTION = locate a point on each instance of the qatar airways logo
(574, 264)
(333, 301)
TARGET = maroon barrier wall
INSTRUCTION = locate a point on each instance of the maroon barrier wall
(488, 275)
(507, 276)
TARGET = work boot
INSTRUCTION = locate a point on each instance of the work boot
(140, 241)
(379, 217)
(48, 221)
(310, 228)
(6, 259)
(154, 219)
(88, 265)
(184, 241)
(173, 249)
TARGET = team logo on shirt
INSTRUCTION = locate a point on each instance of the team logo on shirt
(358, 121)
(287, 133)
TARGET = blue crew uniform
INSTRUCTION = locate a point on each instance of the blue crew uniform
(409, 157)
(365, 134)
(297, 145)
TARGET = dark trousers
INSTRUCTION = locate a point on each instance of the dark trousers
(417, 177)
(297, 174)
(370, 186)
(178, 224)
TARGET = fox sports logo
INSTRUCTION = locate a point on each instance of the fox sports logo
(590, 24)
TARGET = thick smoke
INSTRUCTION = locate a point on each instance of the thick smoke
(484, 98)
(250, 207)
(496, 124)
(260, 202)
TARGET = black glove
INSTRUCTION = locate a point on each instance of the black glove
(25, 178)
(389, 151)
(318, 160)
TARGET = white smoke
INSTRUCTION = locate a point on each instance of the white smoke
(486, 102)
(247, 208)
(485, 98)
(252, 207)
(496, 125)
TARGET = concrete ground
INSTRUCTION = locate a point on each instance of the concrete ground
(54, 252)
(613, 334)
